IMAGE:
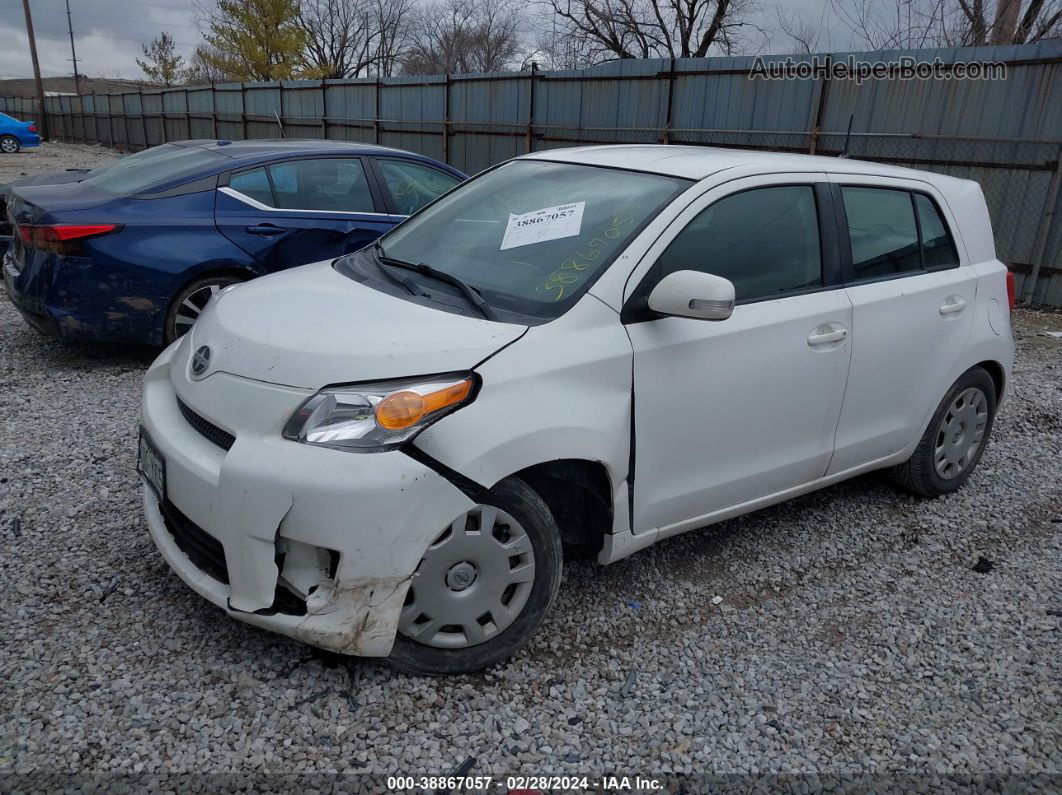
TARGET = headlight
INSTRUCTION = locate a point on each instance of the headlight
(367, 418)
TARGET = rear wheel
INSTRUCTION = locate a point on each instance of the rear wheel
(9, 144)
(483, 586)
(191, 302)
(955, 439)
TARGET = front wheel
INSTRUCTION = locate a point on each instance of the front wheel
(9, 144)
(955, 439)
(483, 586)
(191, 302)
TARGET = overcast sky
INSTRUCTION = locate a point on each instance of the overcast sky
(109, 33)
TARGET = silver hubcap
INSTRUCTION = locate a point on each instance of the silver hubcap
(8, 145)
(960, 433)
(472, 582)
(192, 306)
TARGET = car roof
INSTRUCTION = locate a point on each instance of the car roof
(267, 148)
(698, 162)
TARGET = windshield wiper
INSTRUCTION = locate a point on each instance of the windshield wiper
(471, 293)
(405, 282)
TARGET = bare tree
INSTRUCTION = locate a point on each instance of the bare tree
(659, 28)
(464, 36)
(805, 36)
(351, 38)
(203, 67)
(952, 23)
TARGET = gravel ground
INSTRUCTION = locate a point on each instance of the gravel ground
(855, 638)
(52, 157)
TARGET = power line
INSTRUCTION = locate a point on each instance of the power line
(153, 23)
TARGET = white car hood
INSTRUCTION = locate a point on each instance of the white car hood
(310, 326)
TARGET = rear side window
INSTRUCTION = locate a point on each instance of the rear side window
(765, 241)
(938, 249)
(883, 232)
(154, 167)
(253, 184)
(333, 184)
(412, 185)
(895, 232)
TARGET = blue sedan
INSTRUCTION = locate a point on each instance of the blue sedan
(15, 134)
(134, 253)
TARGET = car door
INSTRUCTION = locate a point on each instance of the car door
(410, 184)
(299, 211)
(729, 412)
(912, 302)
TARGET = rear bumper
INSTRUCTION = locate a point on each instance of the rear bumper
(79, 306)
(29, 140)
(316, 544)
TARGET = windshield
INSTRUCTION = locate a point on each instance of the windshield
(143, 170)
(531, 236)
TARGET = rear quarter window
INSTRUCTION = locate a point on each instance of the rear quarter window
(164, 166)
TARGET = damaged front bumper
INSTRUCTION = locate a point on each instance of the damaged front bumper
(313, 543)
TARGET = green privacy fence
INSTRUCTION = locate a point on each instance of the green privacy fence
(1005, 132)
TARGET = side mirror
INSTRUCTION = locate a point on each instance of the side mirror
(693, 294)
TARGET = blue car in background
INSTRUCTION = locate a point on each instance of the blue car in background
(15, 134)
(134, 253)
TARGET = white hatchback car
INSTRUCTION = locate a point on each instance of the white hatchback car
(383, 455)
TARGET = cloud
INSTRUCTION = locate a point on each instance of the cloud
(108, 35)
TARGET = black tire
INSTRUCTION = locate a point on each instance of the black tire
(519, 500)
(173, 327)
(10, 145)
(918, 474)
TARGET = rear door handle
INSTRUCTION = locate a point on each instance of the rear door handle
(267, 230)
(952, 305)
(824, 335)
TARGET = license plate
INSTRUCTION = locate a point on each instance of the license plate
(151, 465)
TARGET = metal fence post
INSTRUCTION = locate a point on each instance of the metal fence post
(324, 109)
(531, 108)
(818, 109)
(446, 120)
(376, 114)
(243, 109)
(670, 100)
(1028, 286)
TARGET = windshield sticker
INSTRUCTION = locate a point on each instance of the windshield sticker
(538, 226)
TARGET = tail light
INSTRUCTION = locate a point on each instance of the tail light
(1010, 289)
(33, 127)
(63, 238)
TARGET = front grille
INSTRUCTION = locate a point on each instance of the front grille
(202, 549)
(206, 428)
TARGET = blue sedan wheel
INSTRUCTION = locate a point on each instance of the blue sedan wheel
(9, 144)
(191, 302)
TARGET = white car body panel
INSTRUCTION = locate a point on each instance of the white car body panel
(726, 416)
(337, 334)
(265, 488)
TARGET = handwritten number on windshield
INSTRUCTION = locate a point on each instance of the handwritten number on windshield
(562, 278)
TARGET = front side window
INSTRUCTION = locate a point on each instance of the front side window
(531, 236)
(333, 184)
(765, 241)
(412, 185)
(882, 231)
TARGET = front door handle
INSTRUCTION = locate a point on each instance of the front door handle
(953, 305)
(266, 230)
(827, 334)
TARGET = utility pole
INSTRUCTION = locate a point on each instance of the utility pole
(73, 52)
(36, 69)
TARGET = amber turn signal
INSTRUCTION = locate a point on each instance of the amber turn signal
(405, 409)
